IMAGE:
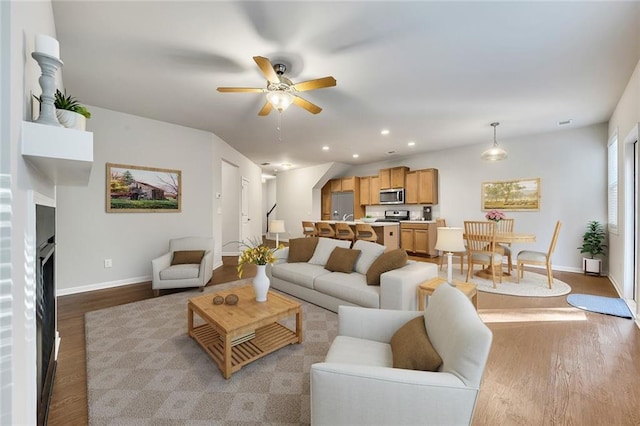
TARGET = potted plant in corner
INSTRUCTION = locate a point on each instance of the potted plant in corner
(70, 113)
(593, 244)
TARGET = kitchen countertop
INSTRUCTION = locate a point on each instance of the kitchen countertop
(417, 221)
(374, 224)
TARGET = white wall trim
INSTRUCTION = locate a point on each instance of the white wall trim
(111, 284)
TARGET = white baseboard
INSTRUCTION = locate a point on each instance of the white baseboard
(102, 286)
(111, 284)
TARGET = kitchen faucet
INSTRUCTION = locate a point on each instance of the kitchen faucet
(345, 216)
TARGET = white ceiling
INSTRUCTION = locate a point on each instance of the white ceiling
(437, 73)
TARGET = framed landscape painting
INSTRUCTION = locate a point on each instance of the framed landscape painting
(135, 189)
(521, 195)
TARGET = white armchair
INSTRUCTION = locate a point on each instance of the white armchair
(166, 275)
(357, 384)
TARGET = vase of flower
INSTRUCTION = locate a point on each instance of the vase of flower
(260, 255)
(261, 284)
(495, 215)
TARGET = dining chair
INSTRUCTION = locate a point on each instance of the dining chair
(309, 229)
(505, 226)
(530, 257)
(365, 232)
(481, 248)
(344, 232)
(325, 230)
(442, 223)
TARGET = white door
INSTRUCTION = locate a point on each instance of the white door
(245, 220)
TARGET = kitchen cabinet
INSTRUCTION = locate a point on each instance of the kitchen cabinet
(369, 190)
(393, 177)
(346, 184)
(422, 187)
(325, 213)
(419, 238)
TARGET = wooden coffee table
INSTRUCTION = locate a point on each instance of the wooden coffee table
(428, 287)
(235, 335)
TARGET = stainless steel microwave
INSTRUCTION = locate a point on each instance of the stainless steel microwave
(392, 196)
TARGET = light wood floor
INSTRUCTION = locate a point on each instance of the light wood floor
(549, 364)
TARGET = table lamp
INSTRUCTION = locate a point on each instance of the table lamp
(277, 227)
(450, 240)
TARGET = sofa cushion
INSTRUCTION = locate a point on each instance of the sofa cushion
(388, 261)
(180, 272)
(324, 248)
(370, 252)
(342, 260)
(351, 288)
(301, 249)
(353, 350)
(183, 257)
(412, 349)
(300, 273)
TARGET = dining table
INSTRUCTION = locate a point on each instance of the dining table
(507, 238)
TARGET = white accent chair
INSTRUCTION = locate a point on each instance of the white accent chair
(357, 384)
(166, 275)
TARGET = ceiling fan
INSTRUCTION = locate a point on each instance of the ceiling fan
(281, 92)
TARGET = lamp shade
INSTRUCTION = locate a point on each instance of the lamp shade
(276, 226)
(280, 99)
(450, 239)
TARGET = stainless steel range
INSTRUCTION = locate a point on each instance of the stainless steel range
(394, 216)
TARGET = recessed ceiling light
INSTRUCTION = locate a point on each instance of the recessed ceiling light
(565, 122)
(384, 132)
(325, 148)
(355, 156)
(411, 143)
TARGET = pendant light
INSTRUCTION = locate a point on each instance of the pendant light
(495, 153)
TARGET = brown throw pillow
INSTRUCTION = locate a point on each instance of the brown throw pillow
(412, 349)
(388, 261)
(342, 260)
(187, 257)
(301, 249)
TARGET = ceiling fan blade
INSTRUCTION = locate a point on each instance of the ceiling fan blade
(303, 103)
(241, 89)
(266, 109)
(318, 83)
(267, 69)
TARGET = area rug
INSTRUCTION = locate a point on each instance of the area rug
(599, 304)
(143, 369)
(532, 285)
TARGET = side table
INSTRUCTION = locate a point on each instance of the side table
(428, 287)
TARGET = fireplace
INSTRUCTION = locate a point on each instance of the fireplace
(45, 308)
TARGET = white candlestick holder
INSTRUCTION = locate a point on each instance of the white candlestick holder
(48, 65)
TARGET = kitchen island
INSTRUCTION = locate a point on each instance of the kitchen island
(388, 232)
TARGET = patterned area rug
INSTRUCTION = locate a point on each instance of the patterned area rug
(143, 369)
(531, 285)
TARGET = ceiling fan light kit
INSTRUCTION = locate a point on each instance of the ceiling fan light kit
(280, 91)
(495, 153)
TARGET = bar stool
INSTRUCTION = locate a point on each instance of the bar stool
(325, 230)
(344, 232)
(365, 232)
(309, 229)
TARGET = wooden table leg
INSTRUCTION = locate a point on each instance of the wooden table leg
(227, 357)
(474, 299)
(189, 320)
(299, 324)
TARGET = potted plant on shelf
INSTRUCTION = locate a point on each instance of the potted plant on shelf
(593, 244)
(70, 113)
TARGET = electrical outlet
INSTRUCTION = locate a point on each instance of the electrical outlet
(107, 263)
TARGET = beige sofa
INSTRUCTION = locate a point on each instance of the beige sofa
(310, 280)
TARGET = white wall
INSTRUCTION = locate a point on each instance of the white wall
(570, 163)
(21, 21)
(624, 122)
(269, 199)
(87, 234)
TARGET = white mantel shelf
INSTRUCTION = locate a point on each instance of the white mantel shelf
(64, 155)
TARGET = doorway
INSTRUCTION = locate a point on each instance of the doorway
(230, 208)
(245, 220)
(631, 237)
